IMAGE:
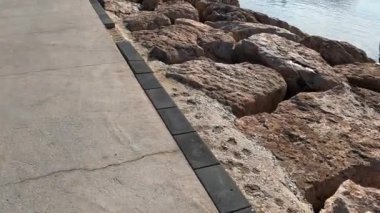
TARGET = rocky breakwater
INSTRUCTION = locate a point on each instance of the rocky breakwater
(304, 106)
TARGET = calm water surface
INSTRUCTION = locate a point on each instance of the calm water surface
(355, 21)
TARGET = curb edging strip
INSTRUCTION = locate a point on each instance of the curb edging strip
(222, 190)
(106, 20)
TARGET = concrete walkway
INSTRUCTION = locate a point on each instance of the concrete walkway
(77, 133)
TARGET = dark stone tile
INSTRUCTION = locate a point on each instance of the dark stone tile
(148, 81)
(107, 21)
(139, 67)
(246, 210)
(175, 121)
(222, 189)
(160, 98)
(128, 51)
(195, 150)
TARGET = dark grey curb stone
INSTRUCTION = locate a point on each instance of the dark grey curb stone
(139, 67)
(222, 189)
(246, 210)
(195, 150)
(160, 98)
(175, 121)
(148, 81)
(128, 51)
(107, 21)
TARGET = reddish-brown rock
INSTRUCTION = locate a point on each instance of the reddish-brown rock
(365, 75)
(246, 88)
(353, 198)
(146, 20)
(302, 68)
(222, 12)
(336, 52)
(242, 30)
(323, 138)
(178, 9)
(186, 41)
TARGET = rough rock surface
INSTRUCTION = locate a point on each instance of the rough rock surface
(303, 68)
(246, 88)
(121, 8)
(353, 198)
(323, 139)
(336, 52)
(150, 4)
(146, 20)
(258, 174)
(175, 10)
(242, 30)
(222, 12)
(365, 75)
(183, 42)
(265, 19)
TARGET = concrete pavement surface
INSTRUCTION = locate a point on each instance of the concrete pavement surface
(77, 133)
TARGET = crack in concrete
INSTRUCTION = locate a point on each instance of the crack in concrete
(89, 169)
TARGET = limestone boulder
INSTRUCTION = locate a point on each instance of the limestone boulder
(265, 19)
(151, 4)
(303, 68)
(323, 138)
(178, 9)
(146, 20)
(365, 75)
(351, 197)
(187, 41)
(121, 8)
(336, 52)
(243, 30)
(246, 88)
(201, 5)
(223, 12)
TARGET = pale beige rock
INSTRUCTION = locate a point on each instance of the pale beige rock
(246, 88)
(303, 68)
(353, 198)
(365, 75)
(121, 8)
(146, 20)
(336, 52)
(323, 138)
(175, 10)
(183, 42)
(242, 30)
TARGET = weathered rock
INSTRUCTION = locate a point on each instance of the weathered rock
(246, 88)
(150, 4)
(242, 30)
(201, 5)
(351, 197)
(303, 68)
(146, 20)
(175, 10)
(265, 19)
(323, 139)
(336, 52)
(365, 75)
(187, 41)
(222, 12)
(121, 8)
